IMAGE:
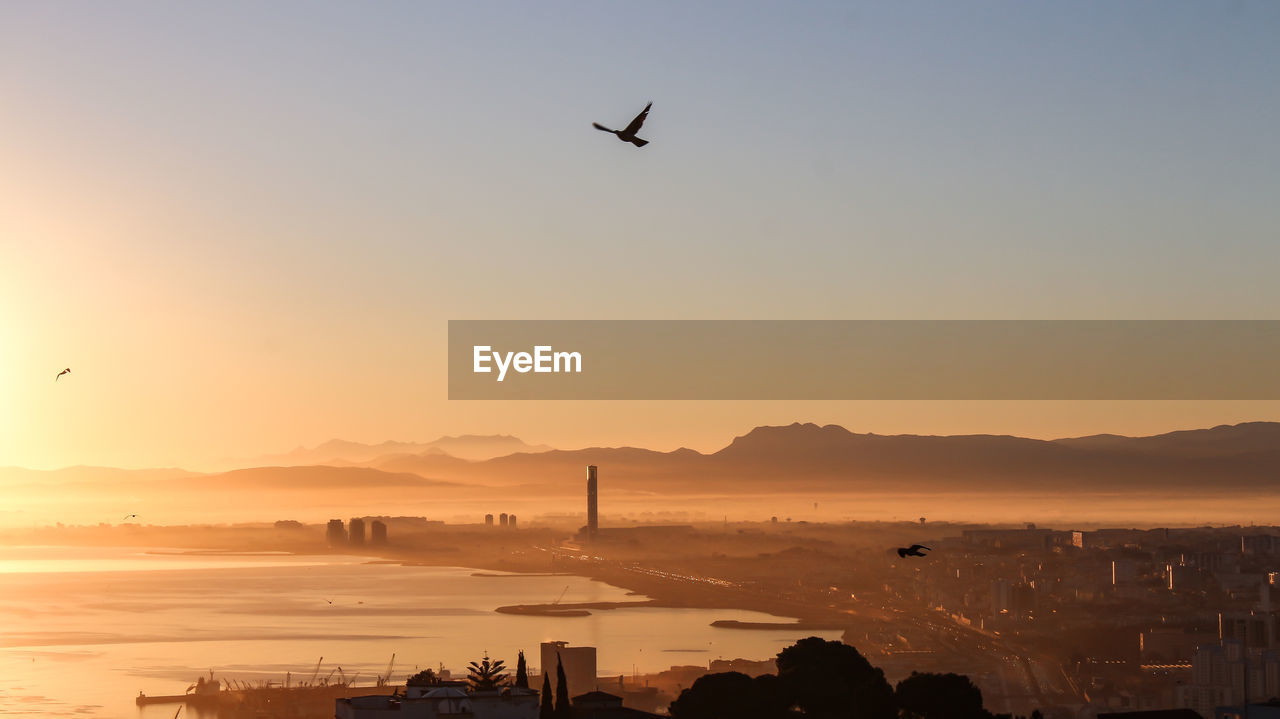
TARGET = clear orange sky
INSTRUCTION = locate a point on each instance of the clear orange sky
(245, 227)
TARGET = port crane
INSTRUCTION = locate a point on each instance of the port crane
(383, 680)
(316, 673)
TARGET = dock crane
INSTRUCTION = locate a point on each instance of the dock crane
(316, 673)
(562, 593)
(385, 679)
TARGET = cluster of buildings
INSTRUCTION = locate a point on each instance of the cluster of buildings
(352, 534)
(504, 520)
(1138, 619)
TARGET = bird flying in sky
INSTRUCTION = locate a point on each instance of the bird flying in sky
(913, 551)
(65, 371)
(129, 516)
(629, 134)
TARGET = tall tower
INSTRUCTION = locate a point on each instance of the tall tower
(593, 516)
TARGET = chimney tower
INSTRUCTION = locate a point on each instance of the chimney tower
(593, 517)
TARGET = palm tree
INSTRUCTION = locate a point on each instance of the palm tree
(485, 675)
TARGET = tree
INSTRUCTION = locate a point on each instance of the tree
(939, 696)
(731, 695)
(485, 675)
(831, 679)
(424, 678)
(563, 709)
(546, 710)
(522, 672)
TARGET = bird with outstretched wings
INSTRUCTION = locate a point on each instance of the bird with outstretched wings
(913, 551)
(628, 134)
(65, 371)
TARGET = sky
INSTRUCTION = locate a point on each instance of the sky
(245, 225)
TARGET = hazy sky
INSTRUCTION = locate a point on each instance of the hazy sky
(245, 225)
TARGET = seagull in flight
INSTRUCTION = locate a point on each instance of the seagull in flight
(913, 551)
(629, 134)
(129, 516)
(65, 371)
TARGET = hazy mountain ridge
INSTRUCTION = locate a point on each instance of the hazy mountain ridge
(90, 474)
(344, 453)
(832, 458)
(1221, 441)
(783, 458)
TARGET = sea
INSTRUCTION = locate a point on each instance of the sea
(84, 630)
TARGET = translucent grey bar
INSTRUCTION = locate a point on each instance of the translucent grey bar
(869, 359)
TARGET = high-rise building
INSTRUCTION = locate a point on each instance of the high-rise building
(488, 520)
(511, 521)
(593, 517)
(335, 534)
(355, 532)
(579, 666)
(502, 519)
(378, 532)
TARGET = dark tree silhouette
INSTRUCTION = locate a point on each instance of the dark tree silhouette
(424, 678)
(731, 695)
(546, 710)
(563, 708)
(939, 696)
(485, 675)
(831, 679)
(522, 672)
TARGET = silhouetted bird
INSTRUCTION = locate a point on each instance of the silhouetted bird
(65, 371)
(913, 551)
(128, 516)
(629, 134)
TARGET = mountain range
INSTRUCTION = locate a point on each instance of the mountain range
(831, 458)
(797, 457)
(338, 452)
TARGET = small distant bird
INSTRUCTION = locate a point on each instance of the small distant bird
(629, 134)
(65, 371)
(129, 516)
(913, 551)
(329, 601)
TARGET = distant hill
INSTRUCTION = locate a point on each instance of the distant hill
(1222, 441)
(339, 452)
(86, 474)
(831, 458)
